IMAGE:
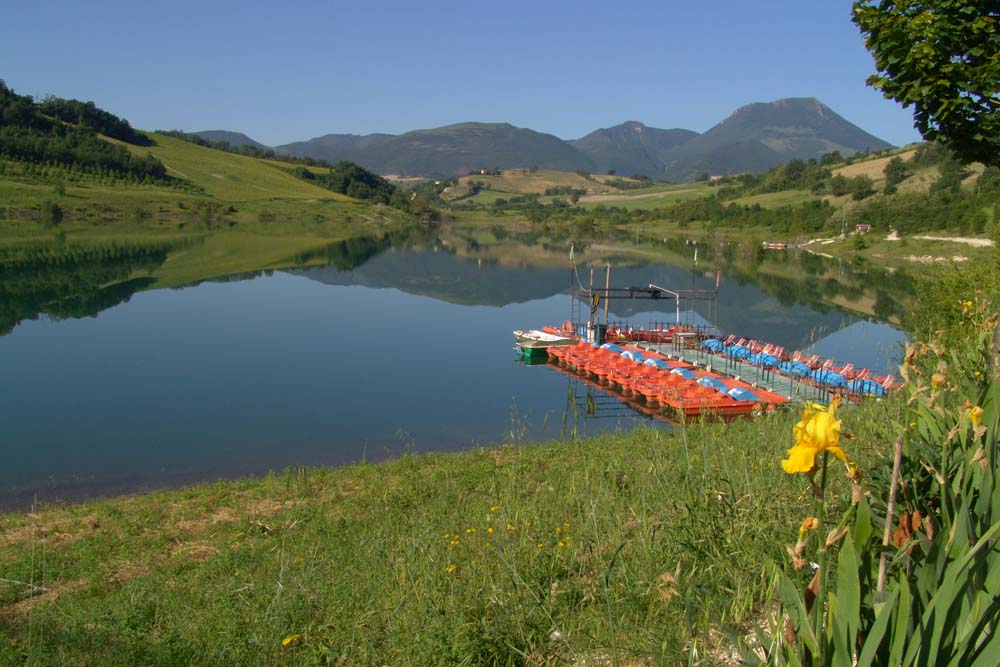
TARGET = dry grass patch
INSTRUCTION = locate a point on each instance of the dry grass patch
(124, 571)
(198, 552)
(873, 169)
(47, 595)
(524, 181)
(57, 530)
(597, 198)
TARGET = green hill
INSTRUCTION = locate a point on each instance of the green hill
(334, 147)
(459, 149)
(203, 188)
(234, 139)
(632, 148)
(230, 176)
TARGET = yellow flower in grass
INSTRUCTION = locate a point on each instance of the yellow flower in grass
(818, 432)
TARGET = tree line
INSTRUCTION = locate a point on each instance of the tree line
(65, 132)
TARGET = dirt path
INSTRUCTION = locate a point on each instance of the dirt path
(968, 240)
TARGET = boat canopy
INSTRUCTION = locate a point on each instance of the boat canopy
(743, 394)
(712, 383)
(829, 378)
(712, 345)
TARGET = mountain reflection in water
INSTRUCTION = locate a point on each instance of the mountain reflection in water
(382, 347)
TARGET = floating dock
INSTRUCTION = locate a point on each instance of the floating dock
(684, 368)
(665, 384)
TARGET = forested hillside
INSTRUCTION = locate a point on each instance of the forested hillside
(65, 133)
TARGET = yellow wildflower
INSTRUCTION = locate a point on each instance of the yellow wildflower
(449, 569)
(976, 415)
(469, 531)
(818, 432)
(290, 639)
(489, 531)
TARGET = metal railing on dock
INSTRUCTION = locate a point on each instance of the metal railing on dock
(687, 348)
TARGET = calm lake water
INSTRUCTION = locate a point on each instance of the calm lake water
(411, 351)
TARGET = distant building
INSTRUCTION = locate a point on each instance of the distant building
(862, 228)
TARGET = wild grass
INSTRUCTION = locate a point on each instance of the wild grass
(623, 549)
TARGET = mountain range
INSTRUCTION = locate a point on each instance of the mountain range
(754, 138)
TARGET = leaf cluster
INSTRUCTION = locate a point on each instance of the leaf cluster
(940, 56)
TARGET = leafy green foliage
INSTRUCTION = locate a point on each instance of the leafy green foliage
(86, 114)
(895, 171)
(940, 57)
(29, 134)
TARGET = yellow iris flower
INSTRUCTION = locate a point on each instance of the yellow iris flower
(976, 415)
(818, 432)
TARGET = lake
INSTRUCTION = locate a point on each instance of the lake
(409, 349)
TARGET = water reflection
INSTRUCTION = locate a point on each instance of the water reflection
(383, 345)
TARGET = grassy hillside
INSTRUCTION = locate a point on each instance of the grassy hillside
(211, 189)
(230, 176)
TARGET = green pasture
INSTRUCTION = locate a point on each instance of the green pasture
(776, 199)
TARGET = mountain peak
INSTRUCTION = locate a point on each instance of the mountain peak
(762, 135)
(753, 138)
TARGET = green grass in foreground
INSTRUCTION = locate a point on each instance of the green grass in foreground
(639, 545)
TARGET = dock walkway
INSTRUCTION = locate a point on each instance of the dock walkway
(798, 390)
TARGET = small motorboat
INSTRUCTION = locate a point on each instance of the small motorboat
(534, 344)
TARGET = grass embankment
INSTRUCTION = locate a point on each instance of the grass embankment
(641, 545)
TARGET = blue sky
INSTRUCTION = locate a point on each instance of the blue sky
(283, 72)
